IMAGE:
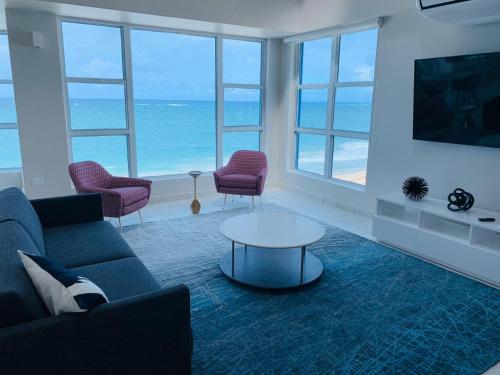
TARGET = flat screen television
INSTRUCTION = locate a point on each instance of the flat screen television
(457, 100)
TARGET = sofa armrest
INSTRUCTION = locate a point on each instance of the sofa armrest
(69, 210)
(146, 334)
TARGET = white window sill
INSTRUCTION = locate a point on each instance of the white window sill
(333, 181)
(174, 177)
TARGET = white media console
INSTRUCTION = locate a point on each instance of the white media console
(456, 240)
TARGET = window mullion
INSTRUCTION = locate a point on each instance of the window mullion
(331, 106)
(263, 94)
(219, 101)
(351, 134)
(101, 81)
(244, 86)
(354, 84)
(129, 101)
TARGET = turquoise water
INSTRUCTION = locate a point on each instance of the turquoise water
(177, 136)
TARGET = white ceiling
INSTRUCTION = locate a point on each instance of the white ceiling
(259, 18)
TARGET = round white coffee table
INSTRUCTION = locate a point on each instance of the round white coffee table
(274, 253)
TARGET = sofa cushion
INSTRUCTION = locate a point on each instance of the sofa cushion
(13, 277)
(242, 181)
(84, 244)
(120, 278)
(15, 206)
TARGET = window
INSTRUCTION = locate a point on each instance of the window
(242, 91)
(96, 95)
(174, 102)
(10, 153)
(154, 103)
(334, 105)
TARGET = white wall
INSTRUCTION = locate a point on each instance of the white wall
(318, 14)
(393, 154)
(39, 100)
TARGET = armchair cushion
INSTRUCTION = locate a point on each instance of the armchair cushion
(242, 181)
(83, 244)
(131, 195)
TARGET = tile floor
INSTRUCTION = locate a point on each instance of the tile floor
(211, 203)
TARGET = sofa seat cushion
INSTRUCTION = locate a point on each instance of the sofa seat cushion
(15, 206)
(120, 278)
(17, 292)
(243, 181)
(131, 195)
(84, 244)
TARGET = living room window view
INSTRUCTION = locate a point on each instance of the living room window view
(249, 187)
(335, 79)
(10, 154)
(120, 97)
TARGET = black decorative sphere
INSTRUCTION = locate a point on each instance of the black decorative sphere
(415, 188)
(460, 200)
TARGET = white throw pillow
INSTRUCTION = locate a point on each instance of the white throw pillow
(62, 290)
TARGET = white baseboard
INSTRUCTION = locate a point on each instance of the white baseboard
(155, 198)
(159, 198)
(326, 200)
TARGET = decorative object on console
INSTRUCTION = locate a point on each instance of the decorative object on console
(62, 290)
(415, 188)
(195, 204)
(460, 200)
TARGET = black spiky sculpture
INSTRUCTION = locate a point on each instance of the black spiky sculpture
(415, 188)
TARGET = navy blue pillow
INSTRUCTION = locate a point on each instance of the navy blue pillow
(62, 290)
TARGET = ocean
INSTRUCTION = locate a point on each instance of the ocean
(176, 136)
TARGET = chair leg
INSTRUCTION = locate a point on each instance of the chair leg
(253, 202)
(225, 198)
(140, 215)
(120, 223)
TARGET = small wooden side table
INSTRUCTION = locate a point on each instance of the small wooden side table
(195, 204)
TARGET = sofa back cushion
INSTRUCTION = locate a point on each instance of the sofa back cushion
(14, 281)
(15, 206)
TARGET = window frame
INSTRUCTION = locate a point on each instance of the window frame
(10, 125)
(329, 132)
(127, 82)
(221, 86)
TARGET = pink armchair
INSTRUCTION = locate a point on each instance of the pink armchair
(120, 195)
(245, 174)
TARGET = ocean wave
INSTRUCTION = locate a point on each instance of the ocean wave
(176, 105)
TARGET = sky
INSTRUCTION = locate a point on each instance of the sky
(168, 66)
(164, 65)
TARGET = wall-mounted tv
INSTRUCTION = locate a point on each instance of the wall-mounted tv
(457, 100)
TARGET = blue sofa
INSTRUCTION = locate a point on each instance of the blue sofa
(143, 330)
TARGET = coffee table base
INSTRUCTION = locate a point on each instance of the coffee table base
(271, 268)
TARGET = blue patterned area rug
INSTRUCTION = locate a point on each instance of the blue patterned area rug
(375, 310)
